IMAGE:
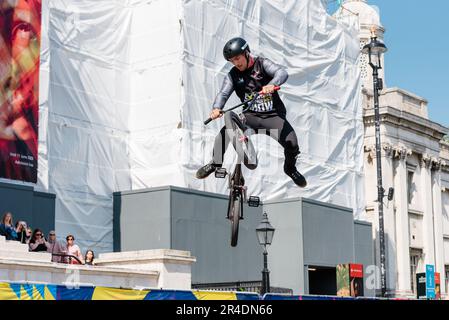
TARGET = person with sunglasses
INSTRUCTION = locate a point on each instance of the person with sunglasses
(55, 247)
(73, 250)
(38, 242)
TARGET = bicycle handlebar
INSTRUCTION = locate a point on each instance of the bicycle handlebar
(276, 88)
(207, 121)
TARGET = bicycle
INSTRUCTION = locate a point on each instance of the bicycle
(235, 130)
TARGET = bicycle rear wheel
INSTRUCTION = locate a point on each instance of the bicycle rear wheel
(242, 145)
(234, 216)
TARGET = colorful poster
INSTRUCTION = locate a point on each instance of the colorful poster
(343, 289)
(350, 280)
(437, 286)
(20, 26)
(430, 281)
(356, 278)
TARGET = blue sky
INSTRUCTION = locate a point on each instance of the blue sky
(418, 57)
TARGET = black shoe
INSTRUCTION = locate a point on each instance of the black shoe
(206, 170)
(298, 178)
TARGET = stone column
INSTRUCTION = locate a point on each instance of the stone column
(438, 223)
(427, 206)
(402, 224)
(371, 196)
(389, 219)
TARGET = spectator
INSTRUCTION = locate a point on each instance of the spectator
(73, 249)
(55, 247)
(6, 227)
(89, 258)
(29, 232)
(38, 242)
(21, 230)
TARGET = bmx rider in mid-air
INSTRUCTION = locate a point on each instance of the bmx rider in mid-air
(267, 114)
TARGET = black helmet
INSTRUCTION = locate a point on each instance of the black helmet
(234, 47)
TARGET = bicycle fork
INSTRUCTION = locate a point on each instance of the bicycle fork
(238, 189)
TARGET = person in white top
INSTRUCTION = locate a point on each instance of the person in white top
(74, 250)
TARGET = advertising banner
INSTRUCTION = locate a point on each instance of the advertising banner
(356, 278)
(350, 280)
(430, 282)
(20, 25)
(343, 289)
(437, 286)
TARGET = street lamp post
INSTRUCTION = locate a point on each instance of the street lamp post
(265, 232)
(375, 49)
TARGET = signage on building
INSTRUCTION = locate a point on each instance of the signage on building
(421, 286)
(20, 22)
(350, 280)
(430, 282)
(437, 286)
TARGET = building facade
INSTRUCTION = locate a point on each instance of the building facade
(415, 162)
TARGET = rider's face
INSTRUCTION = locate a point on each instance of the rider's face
(240, 62)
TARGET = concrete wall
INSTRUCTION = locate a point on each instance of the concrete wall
(142, 220)
(286, 253)
(328, 233)
(308, 233)
(36, 208)
(311, 233)
(184, 219)
(364, 253)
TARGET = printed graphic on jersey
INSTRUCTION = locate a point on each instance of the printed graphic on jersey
(263, 103)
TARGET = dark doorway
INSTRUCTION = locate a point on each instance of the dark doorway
(322, 281)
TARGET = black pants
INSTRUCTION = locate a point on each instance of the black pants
(276, 126)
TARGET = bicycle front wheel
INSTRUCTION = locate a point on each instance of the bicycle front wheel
(234, 216)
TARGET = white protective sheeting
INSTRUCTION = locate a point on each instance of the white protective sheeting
(322, 95)
(126, 84)
(110, 100)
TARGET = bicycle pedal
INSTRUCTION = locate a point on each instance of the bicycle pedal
(254, 201)
(220, 173)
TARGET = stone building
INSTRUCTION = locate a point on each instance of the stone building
(415, 161)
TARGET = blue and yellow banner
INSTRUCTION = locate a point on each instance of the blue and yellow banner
(27, 291)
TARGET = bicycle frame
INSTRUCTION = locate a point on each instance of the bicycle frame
(238, 190)
(238, 186)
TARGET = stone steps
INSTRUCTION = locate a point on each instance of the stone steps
(13, 246)
(25, 256)
(14, 250)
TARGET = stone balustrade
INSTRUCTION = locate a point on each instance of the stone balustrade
(166, 269)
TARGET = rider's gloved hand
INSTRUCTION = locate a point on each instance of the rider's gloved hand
(216, 113)
(268, 89)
